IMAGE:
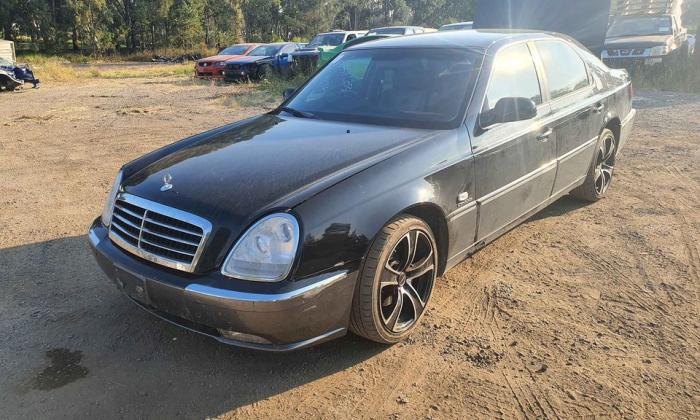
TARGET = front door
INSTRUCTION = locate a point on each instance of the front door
(515, 163)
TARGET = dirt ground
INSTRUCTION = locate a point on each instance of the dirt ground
(583, 311)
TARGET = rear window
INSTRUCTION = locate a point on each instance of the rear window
(234, 50)
(564, 68)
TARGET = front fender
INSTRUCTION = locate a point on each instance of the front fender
(341, 222)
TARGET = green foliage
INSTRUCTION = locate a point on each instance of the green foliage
(104, 27)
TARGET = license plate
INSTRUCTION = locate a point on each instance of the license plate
(650, 61)
(132, 285)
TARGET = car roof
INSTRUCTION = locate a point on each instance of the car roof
(470, 22)
(392, 27)
(341, 32)
(479, 39)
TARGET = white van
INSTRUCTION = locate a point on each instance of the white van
(7, 51)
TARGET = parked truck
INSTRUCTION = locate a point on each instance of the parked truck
(13, 75)
(646, 32)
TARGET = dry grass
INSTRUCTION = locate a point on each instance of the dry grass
(683, 75)
(61, 69)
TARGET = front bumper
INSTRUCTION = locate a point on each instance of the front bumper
(209, 72)
(276, 317)
(243, 72)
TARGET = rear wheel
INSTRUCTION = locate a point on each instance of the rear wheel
(600, 174)
(396, 281)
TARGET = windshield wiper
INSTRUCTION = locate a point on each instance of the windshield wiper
(297, 113)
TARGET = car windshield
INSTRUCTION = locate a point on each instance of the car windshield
(388, 31)
(326, 39)
(639, 26)
(416, 87)
(234, 50)
(265, 51)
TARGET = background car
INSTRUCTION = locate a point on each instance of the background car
(397, 30)
(457, 26)
(326, 56)
(261, 62)
(306, 59)
(212, 67)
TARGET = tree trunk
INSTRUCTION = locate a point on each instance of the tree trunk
(74, 38)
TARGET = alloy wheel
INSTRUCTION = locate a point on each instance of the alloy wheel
(407, 281)
(605, 163)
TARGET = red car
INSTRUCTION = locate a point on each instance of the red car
(211, 67)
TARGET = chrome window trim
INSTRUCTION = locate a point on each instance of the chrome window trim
(149, 205)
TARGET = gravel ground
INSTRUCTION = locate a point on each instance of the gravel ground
(584, 310)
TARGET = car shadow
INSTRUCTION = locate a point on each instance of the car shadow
(560, 207)
(79, 346)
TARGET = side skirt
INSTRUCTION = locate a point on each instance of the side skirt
(458, 258)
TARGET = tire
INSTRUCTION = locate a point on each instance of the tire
(265, 72)
(7, 84)
(600, 173)
(395, 284)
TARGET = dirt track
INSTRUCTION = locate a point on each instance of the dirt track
(582, 311)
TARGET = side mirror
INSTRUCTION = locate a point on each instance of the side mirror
(287, 93)
(508, 110)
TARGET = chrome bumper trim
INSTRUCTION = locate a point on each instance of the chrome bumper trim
(93, 238)
(307, 292)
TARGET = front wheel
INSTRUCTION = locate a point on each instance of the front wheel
(396, 281)
(600, 174)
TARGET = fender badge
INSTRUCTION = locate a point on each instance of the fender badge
(167, 178)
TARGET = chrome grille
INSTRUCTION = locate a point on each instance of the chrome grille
(158, 233)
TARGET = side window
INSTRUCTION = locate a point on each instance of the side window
(350, 37)
(513, 76)
(565, 70)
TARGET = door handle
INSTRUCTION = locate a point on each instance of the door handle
(545, 135)
(598, 108)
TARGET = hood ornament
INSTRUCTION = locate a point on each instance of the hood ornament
(167, 178)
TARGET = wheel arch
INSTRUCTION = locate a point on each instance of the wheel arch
(435, 218)
(614, 125)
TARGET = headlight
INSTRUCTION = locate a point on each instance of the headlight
(111, 198)
(266, 251)
(220, 63)
(660, 50)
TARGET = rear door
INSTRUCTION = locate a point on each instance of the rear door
(515, 163)
(577, 113)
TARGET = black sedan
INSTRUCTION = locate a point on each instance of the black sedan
(263, 61)
(341, 209)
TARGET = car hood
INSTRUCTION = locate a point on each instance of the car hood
(235, 174)
(643, 41)
(215, 58)
(247, 59)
